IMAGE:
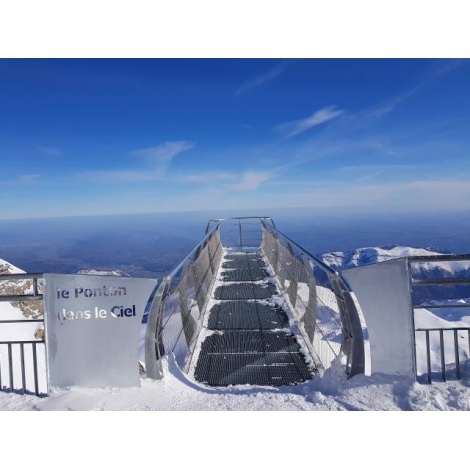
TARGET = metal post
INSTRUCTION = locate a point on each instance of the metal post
(428, 356)
(468, 333)
(457, 359)
(10, 365)
(443, 360)
(240, 230)
(23, 371)
(35, 366)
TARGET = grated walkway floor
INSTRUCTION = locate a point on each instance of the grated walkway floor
(249, 344)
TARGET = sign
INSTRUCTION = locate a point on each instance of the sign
(92, 329)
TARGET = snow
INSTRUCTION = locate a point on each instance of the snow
(177, 391)
(97, 272)
(11, 268)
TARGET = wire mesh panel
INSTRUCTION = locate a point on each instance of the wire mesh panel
(314, 306)
(188, 293)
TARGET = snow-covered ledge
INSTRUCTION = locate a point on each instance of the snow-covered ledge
(384, 294)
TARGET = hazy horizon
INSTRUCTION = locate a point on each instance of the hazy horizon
(149, 245)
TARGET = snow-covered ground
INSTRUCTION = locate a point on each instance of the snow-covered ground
(177, 392)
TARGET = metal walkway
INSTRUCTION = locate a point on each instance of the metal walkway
(250, 341)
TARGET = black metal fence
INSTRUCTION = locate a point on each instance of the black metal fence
(22, 349)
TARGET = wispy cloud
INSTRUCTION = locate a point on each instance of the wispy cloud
(391, 104)
(51, 151)
(251, 180)
(260, 80)
(161, 155)
(293, 128)
(449, 66)
(124, 176)
(249, 127)
(28, 178)
(207, 177)
(156, 160)
(440, 71)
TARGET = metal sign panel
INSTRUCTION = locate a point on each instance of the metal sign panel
(383, 292)
(92, 329)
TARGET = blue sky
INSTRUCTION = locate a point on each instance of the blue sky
(86, 137)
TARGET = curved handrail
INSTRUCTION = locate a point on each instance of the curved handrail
(353, 340)
(153, 348)
(239, 218)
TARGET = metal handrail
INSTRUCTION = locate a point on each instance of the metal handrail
(153, 347)
(318, 262)
(352, 338)
(447, 281)
(22, 297)
(434, 258)
(239, 218)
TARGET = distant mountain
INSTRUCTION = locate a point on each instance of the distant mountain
(340, 260)
(371, 255)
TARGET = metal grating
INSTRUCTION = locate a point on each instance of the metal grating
(245, 349)
(243, 263)
(250, 342)
(244, 274)
(244, 292)
(261, 369)
(244, 315)
(248, 256)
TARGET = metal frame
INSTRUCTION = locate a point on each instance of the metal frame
(240, 232)
(217, 221)
(427, 331)
(36, 296)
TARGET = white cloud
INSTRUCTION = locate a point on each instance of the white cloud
(293, 128)
(251, 180)
(161, 155)
(156, 158)
(207, 177)
(261, 79)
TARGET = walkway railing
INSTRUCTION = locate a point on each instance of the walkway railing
(175, 318)
(240, 233)
(440, 351)
(324, 312)
(22, 356)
